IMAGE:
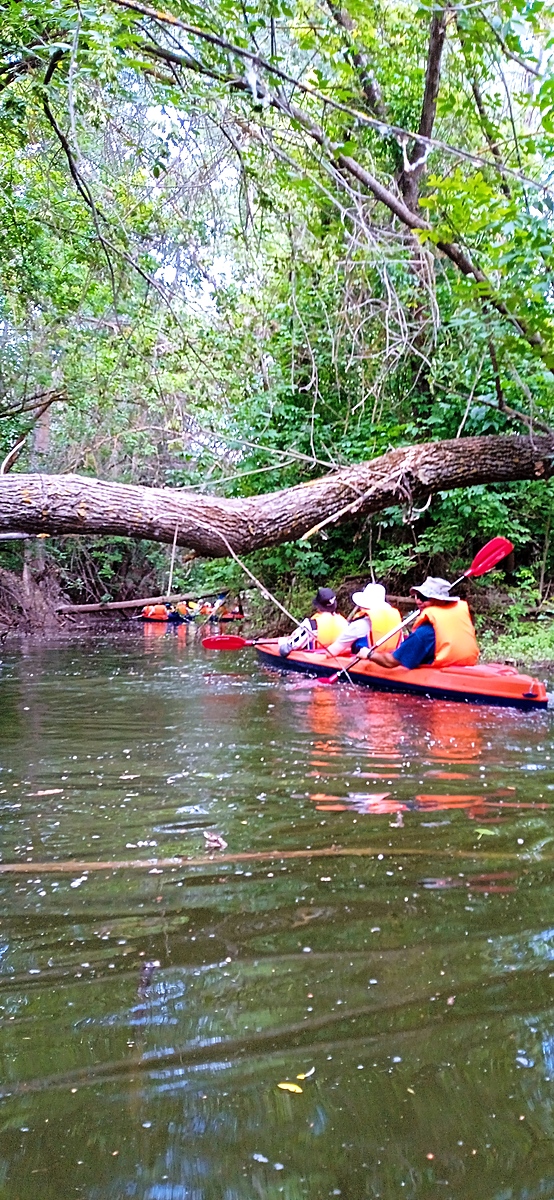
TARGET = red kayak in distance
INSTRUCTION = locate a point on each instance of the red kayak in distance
(486, 683)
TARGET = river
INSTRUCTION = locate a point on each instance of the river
(376, 934)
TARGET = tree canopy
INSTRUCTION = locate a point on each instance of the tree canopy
(247, 244)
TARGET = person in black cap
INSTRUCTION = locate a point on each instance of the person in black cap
(319, 630)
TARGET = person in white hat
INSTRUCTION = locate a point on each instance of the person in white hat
(443, 633)
(377, 619)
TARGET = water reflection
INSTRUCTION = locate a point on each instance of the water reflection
(148, 1016)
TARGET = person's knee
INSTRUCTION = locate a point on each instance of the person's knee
(301, 639)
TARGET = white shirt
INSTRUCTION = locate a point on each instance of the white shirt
(357, 629)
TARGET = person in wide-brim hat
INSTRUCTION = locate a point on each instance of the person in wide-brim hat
(443, 633)
(434, 588)
(373, 595)
(377, 619)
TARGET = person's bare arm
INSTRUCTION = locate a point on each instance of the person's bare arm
(380, 657)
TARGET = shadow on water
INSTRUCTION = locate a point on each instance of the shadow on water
(149, 1015)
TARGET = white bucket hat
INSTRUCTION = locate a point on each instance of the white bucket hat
(372, 596)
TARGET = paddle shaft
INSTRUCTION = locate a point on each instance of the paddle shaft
(348, 666)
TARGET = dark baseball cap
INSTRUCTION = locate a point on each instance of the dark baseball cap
(325, 600)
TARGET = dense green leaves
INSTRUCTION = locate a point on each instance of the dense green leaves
(217, 302)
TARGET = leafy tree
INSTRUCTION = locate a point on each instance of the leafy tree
(350, 205)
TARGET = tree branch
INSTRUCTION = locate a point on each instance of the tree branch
(13, 455)
(510, 53)
(414, 162)
(359, 59)
(530, 421)
(73, 504)
(410, 219)
(413, 221)
(383, 128)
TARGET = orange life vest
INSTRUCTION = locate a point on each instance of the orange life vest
(382, 620)
(154, 612)
(455, 641)
(329, 625)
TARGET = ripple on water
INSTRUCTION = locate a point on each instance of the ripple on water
(390, 951)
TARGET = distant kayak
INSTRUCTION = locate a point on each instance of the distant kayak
(162, 612)
(486, 683)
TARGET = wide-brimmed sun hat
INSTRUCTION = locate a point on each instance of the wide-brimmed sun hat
(373, 595)
(434, 588)
(325, 600)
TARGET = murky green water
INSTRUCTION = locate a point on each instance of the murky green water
(413, 986)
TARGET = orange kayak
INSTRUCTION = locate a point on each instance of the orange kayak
(488, 683)
(155, 612)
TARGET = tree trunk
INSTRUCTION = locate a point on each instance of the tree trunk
(74, 504)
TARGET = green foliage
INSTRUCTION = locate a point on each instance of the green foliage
(528, 643)
(105, 569)
(216, 306)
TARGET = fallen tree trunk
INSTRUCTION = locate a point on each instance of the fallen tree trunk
(108, 605)
(74, 504)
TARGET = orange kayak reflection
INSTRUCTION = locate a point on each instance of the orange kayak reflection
(388, 726)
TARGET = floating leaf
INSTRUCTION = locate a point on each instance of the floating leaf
(289, 1087)
(307, 1074)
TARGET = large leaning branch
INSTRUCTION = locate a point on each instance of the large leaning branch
(74, 504)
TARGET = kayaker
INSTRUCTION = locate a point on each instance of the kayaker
(443, 633)
(319, 630)
(158, 612)
(378, 618)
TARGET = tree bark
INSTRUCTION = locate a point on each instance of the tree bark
(417, 157)
(74, 504)
(113, 605)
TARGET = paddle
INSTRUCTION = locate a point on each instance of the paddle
(226, 641)
(485, 559)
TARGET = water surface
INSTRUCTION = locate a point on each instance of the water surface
(403, 962)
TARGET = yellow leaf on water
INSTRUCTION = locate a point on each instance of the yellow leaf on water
(289, 1087)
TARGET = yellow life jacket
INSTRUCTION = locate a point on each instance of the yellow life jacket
(329, 625)
(383, 619)
(455, 641)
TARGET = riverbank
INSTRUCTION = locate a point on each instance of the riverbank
(530, 646)
(29, 607)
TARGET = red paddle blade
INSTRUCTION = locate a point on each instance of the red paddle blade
(224, 641)
(489, 556)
